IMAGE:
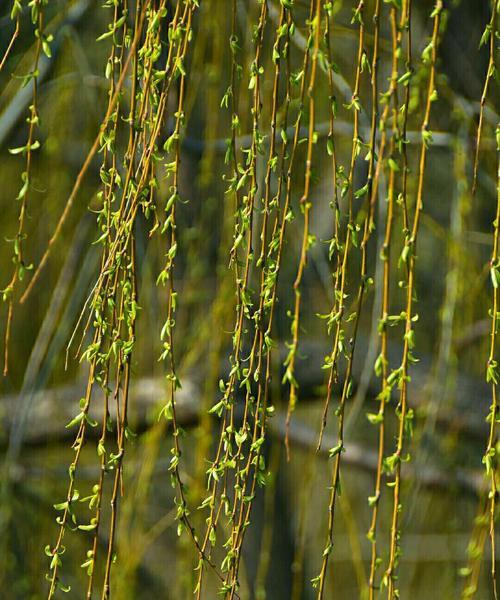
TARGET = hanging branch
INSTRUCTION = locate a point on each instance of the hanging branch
(20, 266)
(489, 35)
(400, 376)
(15, 14)
(83, 171)
(490, 459)
(337, 314)
(278, 53)
(243, 176)
(382, 362)
(305, 207)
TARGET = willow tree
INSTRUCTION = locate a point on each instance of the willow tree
(253, 170)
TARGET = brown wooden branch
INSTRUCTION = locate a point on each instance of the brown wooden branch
(357, 455)
(52, 409)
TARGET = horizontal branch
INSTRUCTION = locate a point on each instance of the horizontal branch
(52, 409)
(303, 436)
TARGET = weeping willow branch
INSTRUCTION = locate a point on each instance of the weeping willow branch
(266, 98)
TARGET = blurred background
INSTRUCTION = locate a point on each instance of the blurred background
(442, 485)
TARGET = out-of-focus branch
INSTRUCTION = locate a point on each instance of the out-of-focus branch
(52, 409)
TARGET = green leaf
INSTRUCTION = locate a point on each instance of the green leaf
(89, 527)
(78, 419)
(374, 418)
(486, 36)
(361, 192)
(23, 191)
(393, 165)
(405, 78)
(495, 279)
(336, 450)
